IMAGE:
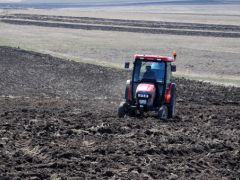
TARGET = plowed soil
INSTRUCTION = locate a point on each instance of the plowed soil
(58, 120)
(136, 26)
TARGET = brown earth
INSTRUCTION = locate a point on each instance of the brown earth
(58, 120)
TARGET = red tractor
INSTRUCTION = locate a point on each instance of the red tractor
(150, 88)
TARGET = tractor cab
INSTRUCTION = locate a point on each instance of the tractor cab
(150, 88)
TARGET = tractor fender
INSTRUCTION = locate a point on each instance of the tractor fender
(172, 103)
(168, 94)
(128, 91)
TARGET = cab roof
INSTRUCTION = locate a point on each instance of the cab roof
(154, 58)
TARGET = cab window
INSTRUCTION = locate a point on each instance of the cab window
(149, 70)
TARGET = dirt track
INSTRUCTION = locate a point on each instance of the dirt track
(152, 27)
(60, 121)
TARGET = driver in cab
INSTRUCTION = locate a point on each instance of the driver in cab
(149, 74)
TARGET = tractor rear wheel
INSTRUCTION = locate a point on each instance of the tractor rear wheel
(122, 109)
(163, 113)
(171, 107)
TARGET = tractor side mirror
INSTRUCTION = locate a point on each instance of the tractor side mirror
(127, 65)
(173, 68)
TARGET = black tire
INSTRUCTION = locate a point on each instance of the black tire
(163, 113)
(131, 113)
(172, 105)
(122, 110)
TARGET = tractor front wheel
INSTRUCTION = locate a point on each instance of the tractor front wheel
(122, 109)
(163, 113)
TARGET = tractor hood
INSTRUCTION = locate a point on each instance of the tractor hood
(149, 89)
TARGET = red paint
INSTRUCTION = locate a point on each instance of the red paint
(168, 94)
(154, 58)
(129, 93)
(146, 88)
